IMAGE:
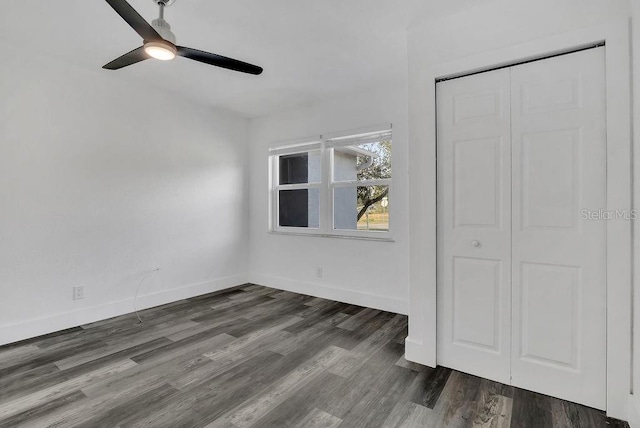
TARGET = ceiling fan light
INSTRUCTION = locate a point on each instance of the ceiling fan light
(160, 50)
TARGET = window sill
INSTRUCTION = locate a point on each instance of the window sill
(329, 235)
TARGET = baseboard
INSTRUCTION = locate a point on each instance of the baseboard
(368, 300)
(416, 352)
(11, 333)
(634, 411)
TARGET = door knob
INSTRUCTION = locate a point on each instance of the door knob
(475, 243)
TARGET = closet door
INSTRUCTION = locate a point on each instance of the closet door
(559, 257)
(474, 224)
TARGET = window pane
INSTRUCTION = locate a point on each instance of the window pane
(299, 208)
(300, 168)
(369, 161)
(361, 208)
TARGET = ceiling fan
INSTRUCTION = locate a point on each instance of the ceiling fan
(160, 43)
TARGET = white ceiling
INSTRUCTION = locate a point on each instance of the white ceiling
(309, 50)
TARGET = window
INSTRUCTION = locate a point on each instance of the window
(299, 189)
(335, 186)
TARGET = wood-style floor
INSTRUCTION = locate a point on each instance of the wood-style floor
(255, 357)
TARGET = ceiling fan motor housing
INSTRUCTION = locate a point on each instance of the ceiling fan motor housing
(164, 29)
(165, 3)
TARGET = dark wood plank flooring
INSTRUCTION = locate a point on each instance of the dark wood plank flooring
(255, 357)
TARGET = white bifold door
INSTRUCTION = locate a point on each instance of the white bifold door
(521, 268)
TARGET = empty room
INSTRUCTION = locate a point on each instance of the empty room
(353, 213)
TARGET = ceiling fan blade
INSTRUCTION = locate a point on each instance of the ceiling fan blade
(129, 58)
(134, 19)
(218, 60)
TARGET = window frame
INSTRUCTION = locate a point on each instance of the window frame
(327, 186)
(298, 147)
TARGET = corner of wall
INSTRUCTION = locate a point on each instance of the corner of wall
(416, 351)
(634, 411)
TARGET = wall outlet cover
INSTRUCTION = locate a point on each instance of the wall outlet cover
(78, 293)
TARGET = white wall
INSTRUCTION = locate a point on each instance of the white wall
(634, 408)
(102, 181)
(488, 27)
(368, 273)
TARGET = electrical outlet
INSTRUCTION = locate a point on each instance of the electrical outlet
(78, 293)
(319, 272)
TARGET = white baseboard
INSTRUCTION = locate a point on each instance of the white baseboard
(398, 306)
(10, 333)
(415, 351)
(634, 411)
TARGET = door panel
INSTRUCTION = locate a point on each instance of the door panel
(559, 259)
(476, 303)
(474, 225)
(550, 336)
(550, 166)
(476, 196)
